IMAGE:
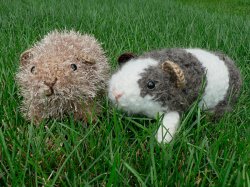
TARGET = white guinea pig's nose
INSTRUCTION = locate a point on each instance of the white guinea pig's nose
(116, 94)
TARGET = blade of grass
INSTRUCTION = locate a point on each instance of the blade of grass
(68, 157)
(136, 174)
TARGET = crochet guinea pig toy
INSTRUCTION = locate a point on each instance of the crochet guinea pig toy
(64, 73)
(170, 80)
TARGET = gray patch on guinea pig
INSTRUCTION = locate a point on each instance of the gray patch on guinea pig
(165, 91)
(235, 83)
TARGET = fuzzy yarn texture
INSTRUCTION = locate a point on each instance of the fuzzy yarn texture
(66, 72)
(169, 81)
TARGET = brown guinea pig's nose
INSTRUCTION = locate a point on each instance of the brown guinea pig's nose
(50, 90)
(50, 83)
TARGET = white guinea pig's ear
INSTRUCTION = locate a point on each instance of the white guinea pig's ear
(25, 57)
(125, 57)
(175, 71)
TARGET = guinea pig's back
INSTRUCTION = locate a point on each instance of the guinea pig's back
(222, 80)
(235, 83)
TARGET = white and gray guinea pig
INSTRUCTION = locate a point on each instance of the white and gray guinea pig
(169, 81)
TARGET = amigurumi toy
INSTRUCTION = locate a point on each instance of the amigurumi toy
(64, 73)
(169, 81)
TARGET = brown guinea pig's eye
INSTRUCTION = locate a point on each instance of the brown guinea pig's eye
(150, 84)
(32, 69)
(73, 66)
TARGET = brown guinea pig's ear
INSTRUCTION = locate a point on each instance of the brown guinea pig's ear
(86, 59)
(176, 72)
(25, 57)
(125, 57)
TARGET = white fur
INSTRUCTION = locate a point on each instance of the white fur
(125, 82)
(168, 128)
(217, 77)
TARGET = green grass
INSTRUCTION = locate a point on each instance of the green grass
(119, 150)
(230, 7)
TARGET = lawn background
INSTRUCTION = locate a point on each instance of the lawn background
(119, 150)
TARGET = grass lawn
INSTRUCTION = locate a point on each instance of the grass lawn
(119, 150)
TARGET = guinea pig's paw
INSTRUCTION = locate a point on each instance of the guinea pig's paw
(163, 135)
(168, 128)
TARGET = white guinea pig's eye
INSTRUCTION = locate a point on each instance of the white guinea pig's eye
(150, 84)
(73, 67)
(32, 69)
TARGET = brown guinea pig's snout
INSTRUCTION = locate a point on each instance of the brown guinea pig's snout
(50, 84)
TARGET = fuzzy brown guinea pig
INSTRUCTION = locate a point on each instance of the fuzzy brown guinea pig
(169, 81)
(66, 72)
